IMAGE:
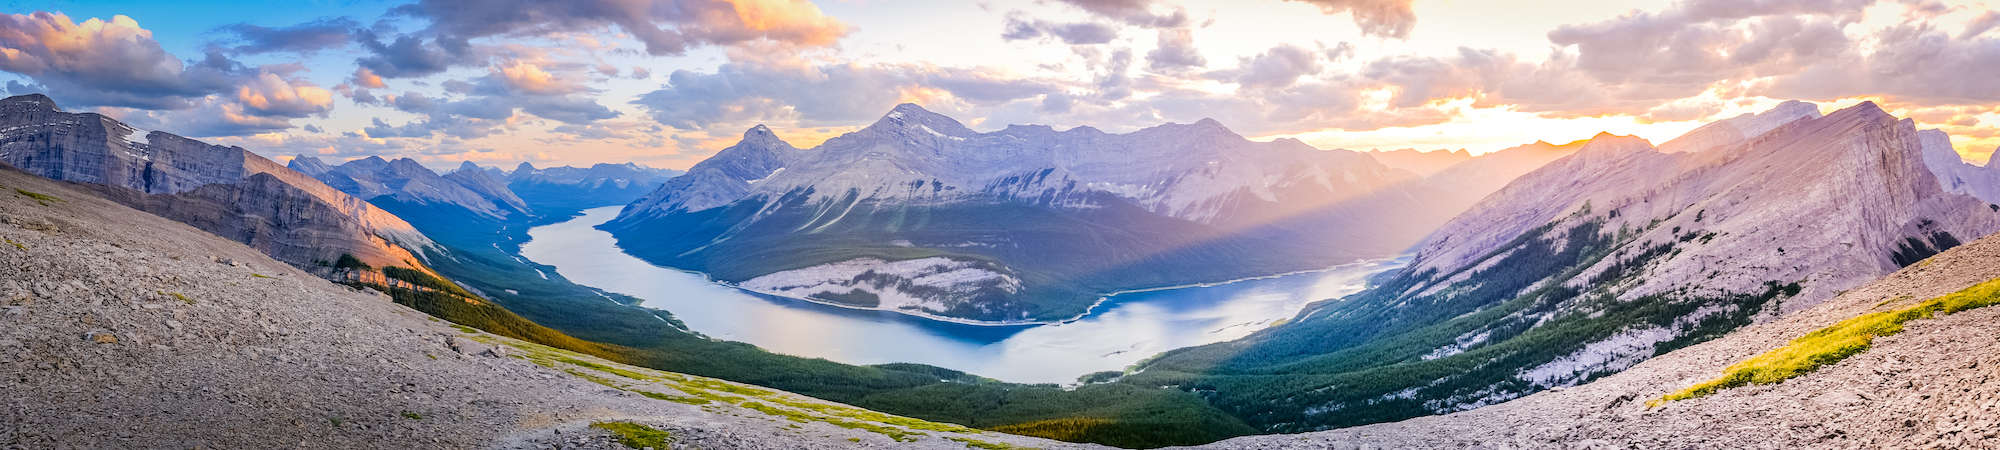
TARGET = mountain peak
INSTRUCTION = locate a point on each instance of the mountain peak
(467, 166)
(759, 130)
(1993, 160)
(524, 166)
(911, 116)
(35, 101)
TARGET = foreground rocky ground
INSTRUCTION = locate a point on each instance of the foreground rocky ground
(1935, 385)
(119, 329)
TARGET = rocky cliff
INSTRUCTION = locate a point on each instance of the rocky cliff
(229, 190)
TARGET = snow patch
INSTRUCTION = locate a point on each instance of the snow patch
(924, 284)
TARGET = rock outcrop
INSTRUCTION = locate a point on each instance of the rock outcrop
(228, 190)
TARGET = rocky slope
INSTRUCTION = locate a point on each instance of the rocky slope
(226, 190)
(120, 329)
(1025, 223)
(1935, 385)
(1595, 262)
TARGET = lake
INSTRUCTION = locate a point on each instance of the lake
(1124, 329)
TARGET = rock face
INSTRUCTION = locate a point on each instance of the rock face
(558, 189)
(411, 185)
(226, 190)
(1954, 174)
(119, 329)
(1600, 260)
(1069, 214)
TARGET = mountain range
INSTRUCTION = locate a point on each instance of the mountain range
(918, 214)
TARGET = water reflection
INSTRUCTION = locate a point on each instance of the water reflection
(1128, 328)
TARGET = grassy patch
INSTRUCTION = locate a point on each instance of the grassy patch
(1832, 344)
(44, 199)
(259, 275)
(16, 244)
(979, 444)
(178, 296)
(412, 416)
(635, 435)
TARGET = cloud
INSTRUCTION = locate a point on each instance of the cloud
(1078, 33)
(366, 78)
(1142, 13)
(1175, 51)
(111, 63)
(321, 34)
(1278, 67)
(270, 95)
(1981, 25)
(405, 56)
(829, 94)
(667, 27)
(526, 77)
(1385, 18)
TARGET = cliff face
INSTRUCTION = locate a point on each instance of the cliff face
(225, 190)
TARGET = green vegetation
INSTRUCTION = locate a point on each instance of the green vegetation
(16, 245)
(421, 278)
(259, 275)
(178, 296)
(412, 415)
(347, 261)
(1832, 344)
(979, 444)
(635, 435)
(43, 199)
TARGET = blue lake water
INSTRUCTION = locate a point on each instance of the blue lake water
(1125, 329)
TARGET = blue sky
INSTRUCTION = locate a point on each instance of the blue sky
(667, 82)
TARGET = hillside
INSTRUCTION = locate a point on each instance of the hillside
(1600, 260)
(122, 330)
(1934, 385)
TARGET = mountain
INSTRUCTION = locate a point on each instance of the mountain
(1736, 129)
(409, 184)
(1930, 386)
(918, 214)
(228, 191)
(555, 190)
(1422, 163)
(122, 331)
(1956, 175)
(1611, 255)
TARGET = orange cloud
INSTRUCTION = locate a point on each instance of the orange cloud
(268, 94)
(367, 78)
(527, 77)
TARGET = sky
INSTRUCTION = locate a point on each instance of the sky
(666, 83)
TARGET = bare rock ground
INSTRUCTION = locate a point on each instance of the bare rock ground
(1936, 385)
(119, 329)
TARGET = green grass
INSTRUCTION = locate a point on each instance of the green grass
(635, 435)
(178, 296)
(16, 244)
(44, 199)
(979, 444)
(259, 275)
(412, 416)
(1832, 344)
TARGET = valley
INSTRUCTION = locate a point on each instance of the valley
(1122, 330)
